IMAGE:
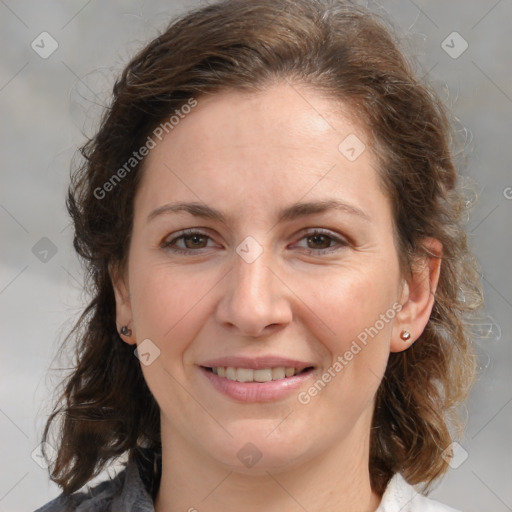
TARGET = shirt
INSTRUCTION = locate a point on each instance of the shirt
(126, 493)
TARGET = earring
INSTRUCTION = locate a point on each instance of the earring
(125, 331)
(405, 335)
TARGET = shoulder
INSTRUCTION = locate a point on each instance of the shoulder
(402, 497)
(124, 492)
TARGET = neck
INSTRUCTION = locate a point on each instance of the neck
(337, 480)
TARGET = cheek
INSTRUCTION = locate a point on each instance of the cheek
(356, 340)
(357, 308)
(349, 302)
(166, 300)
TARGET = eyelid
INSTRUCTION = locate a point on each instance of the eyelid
(340, 241)
(173, 237)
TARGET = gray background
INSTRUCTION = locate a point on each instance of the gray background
(46, 107)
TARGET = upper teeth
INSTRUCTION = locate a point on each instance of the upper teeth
(249, 375)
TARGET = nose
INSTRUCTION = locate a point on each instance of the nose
(255, 301)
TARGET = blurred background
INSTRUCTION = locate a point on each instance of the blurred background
(58, 65)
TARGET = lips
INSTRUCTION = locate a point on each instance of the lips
(258, 379)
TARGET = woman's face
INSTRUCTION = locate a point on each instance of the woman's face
(288, 262)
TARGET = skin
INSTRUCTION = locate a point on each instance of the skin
(251, 155)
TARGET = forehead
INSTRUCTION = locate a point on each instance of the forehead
(258, 149)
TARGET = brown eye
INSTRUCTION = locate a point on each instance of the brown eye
(319, 241)
(188, 242)
(196, 241)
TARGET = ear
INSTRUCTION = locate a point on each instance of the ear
(418, 296)
(123, 305)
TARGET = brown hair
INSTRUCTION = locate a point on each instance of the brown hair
(339, 50)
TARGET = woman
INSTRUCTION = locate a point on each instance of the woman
(271, 226)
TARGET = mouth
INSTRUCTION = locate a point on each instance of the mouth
(257, 375)
(258, 378)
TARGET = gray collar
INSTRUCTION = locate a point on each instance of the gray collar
(124, 493)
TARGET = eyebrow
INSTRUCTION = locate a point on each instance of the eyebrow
(289, 213)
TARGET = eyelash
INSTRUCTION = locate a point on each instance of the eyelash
(341, 242)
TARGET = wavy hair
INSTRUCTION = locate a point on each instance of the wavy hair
(351, 55)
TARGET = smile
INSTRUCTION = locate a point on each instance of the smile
(257, 384)
(256, 375)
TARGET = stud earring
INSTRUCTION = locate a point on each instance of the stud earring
(405, 335)
(125, 331)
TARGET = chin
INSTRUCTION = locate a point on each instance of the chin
(259, 451)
